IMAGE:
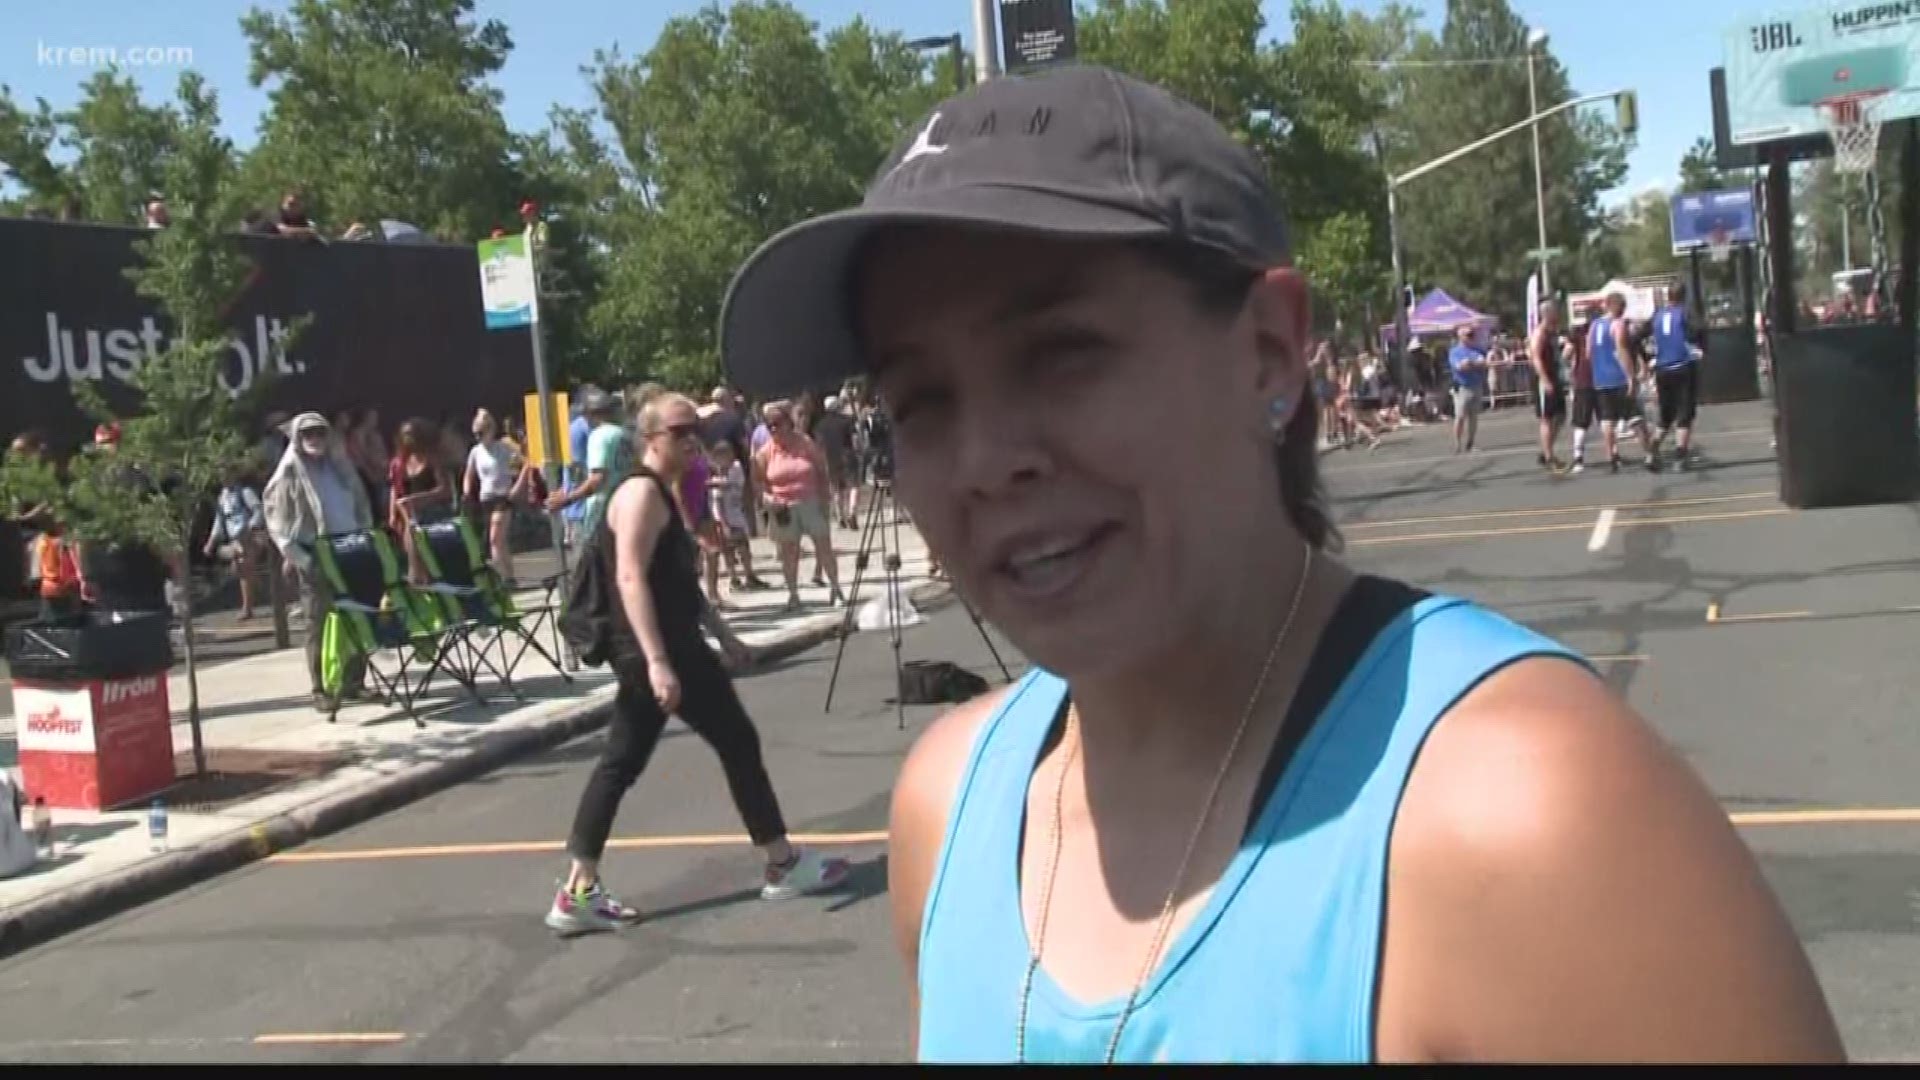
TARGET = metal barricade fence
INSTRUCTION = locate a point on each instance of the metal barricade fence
(1510, 382)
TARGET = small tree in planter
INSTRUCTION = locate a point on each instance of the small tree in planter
(189, 433)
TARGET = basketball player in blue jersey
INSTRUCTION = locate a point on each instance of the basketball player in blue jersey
(1676, 375)
(1616, 370)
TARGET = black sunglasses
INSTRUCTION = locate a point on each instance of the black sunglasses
(679, 431)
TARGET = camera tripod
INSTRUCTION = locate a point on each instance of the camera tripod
(881, 512)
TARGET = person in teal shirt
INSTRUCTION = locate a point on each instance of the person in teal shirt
(609, 460)
(1250, 804)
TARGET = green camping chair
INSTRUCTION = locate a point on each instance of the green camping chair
(373, 612)
(479, 608)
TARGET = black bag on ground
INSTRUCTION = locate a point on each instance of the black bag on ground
(936, 682)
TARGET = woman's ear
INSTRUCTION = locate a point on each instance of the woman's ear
(1282, 318)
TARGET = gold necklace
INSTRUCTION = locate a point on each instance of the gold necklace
(1193, 841)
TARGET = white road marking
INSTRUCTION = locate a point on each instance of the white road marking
(1602, 528)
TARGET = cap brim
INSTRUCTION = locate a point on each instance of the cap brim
(785, 325)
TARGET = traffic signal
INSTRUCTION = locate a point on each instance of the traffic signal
(1626, 105)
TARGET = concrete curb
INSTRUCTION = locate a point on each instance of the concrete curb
(38, 921)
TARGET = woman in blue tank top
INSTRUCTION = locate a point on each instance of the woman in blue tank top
(1248, 806)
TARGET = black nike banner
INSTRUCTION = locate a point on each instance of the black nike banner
(1035, 33)
(395, 326)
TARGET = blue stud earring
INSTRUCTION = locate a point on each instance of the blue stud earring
(1277, 417)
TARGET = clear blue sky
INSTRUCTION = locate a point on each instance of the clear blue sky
(1663, 48)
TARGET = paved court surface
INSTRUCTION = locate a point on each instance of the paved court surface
(1770, 646)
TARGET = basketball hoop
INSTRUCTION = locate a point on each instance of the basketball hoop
(1853, 122)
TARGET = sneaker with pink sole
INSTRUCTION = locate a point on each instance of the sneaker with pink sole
(806, 873)
(588, 911)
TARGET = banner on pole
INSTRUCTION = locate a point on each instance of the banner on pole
(506, 282)
(537, 441)
(1036, 34)
(1533, 302)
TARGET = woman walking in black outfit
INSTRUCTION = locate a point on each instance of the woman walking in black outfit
(665, 666)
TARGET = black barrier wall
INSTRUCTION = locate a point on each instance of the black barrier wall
(395, 326)
(1729, 366)
(1846, 419)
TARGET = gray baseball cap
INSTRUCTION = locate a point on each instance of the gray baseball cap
(1077, 152)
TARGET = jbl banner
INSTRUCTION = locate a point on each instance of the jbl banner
(395, 326)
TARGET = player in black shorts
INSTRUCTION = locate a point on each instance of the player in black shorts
(1581, 393)
(1550, 390)
(1676, 373)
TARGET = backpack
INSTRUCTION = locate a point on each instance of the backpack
(587, 618)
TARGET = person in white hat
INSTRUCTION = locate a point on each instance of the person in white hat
(315, 492)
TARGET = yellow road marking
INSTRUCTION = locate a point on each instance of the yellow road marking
(1577, 526)
(1856, 816)
(1621, 658)
(535, 847)
(1861, 816)
(1549, 511)
(327, 1038)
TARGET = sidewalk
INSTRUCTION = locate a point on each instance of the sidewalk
(288, 775)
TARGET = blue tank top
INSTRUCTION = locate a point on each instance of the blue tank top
(1281, 963)
(1671, 350)
(1608, 372)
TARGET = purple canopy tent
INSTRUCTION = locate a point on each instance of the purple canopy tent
(1438, 313)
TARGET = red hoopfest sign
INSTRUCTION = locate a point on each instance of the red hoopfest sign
(94, 745)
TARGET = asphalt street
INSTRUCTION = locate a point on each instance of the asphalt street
(1769, 645)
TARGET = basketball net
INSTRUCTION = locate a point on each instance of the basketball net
(1853, 122)
(1719, 245)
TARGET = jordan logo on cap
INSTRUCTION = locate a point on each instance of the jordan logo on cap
(923, 143)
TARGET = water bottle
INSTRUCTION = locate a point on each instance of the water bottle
(157, 825)
(42, 827)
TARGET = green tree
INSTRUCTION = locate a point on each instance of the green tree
(567, 173)
(1700, 172)
(1310, 109)
(1470, 226)
(27, 141)
(381, 108)
(1645, 237)
(736, 124)
(107, 153)
(188, 434)
(1340, 261)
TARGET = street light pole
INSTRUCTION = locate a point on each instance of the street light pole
(1400, 314)
(1623, 101)
(1535, 39)
(1397, 356)
(986, 41)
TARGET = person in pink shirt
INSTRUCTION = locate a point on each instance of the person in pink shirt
(792, 471)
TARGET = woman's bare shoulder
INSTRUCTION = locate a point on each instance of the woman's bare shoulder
(930, 777)
(923, 798)
(1553, 846)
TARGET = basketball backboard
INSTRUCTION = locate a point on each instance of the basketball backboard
(1697, 216)
(1780, 67)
